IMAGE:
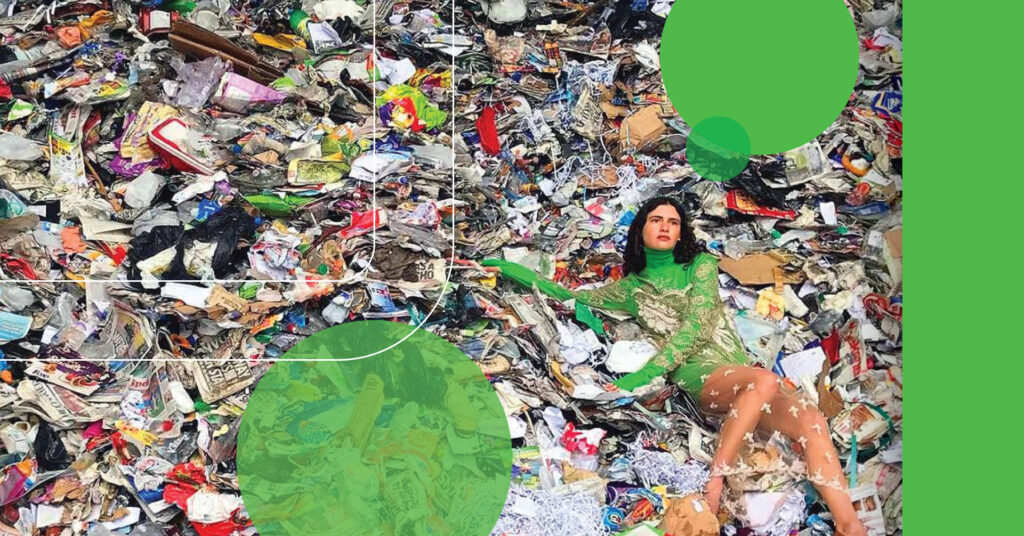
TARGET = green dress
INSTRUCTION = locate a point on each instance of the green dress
(677, 304)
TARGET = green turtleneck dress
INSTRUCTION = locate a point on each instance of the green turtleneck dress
(678, 305)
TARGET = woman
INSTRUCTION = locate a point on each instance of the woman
(671, 288)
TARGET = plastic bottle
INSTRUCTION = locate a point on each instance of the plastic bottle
(299, 21)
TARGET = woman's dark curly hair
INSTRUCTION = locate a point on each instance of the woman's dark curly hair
(634, 256)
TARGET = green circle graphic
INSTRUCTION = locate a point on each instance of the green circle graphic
(723, 158)
(782, 71)
(412, 441)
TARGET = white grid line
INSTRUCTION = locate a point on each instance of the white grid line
(375, 116)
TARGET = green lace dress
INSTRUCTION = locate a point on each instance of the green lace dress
(677, 304)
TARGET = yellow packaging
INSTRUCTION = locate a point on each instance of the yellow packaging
(771, 304)
(285, 42)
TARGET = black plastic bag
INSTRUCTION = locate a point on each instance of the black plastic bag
(51, 455)
(226, 227)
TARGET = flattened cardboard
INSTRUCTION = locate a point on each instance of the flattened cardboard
(604, 178)
(642, 128)
(894, 238)
(757, 269)
(829, 402)
(689, 516)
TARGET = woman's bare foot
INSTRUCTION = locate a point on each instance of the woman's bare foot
(713, 493)
(851, 528)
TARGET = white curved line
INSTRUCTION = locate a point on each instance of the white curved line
(451, 258)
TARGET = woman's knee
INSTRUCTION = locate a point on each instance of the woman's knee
(765, 384)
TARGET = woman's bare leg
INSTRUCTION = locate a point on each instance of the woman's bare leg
(741, 393)
(749, 397)
(800, 420)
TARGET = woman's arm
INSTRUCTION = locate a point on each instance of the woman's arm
(699, 311)
(613, 296)
(528, 278)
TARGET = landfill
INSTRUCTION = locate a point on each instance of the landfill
(188, 188)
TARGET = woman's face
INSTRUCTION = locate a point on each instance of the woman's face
(662, 228)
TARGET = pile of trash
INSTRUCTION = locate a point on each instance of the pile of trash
(190, 187)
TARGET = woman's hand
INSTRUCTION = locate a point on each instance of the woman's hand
(611, 387)
(491, 265)
(713, 492)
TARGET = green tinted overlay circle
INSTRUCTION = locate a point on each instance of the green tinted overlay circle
(783, 71)
(722, 160)
(412, 441)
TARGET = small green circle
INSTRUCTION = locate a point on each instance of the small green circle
(411, 441)
(782, 70)
(718, 148)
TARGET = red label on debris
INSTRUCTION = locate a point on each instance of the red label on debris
(740, 202)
